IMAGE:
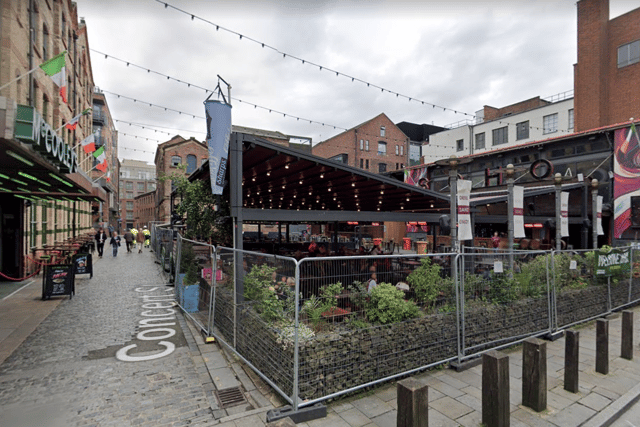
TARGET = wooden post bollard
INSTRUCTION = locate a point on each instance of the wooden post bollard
(602, 346)
(495, 389)
(534, 374)
(626, 351)
(571, 360)
(413, 404)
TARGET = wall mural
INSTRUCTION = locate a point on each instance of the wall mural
(626, 169)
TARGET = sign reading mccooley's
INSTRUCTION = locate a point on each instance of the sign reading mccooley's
(31, 128)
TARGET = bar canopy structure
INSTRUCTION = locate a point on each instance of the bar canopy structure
(270, 182)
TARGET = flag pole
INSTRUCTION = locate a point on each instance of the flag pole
(19, 77)
(99, 178)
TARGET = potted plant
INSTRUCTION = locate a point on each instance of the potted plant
(188, 280)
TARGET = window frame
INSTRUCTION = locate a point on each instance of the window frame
(626, 49)
(173, 161)
(380, 145)
(522, 130)
(550, 123)
(383, 131)
(476, 141)
(571, 121)
(192, 168)
(497, 133)
(382, 167)
(460, 145)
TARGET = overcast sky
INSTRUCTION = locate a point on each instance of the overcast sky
(461, 55)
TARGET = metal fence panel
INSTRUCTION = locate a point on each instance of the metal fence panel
(504, 297)
(194, 280)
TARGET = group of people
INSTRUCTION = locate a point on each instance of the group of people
(142, 238)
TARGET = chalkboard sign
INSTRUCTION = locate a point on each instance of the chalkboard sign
(83, 264)
(58, 281)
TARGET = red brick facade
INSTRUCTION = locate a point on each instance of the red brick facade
(492, 113)
(604, 93)
(144, 209)
(174, 148)
(369, 145)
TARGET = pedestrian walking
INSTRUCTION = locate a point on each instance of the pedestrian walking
(147, 236)
(128, 238)
(115, 243)
(101, 237)
(140, 240)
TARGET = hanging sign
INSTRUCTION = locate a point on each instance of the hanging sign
(599, 221)
(218, 133)
(612, 261)
(464, 212)
(564, 214)
(518, 212)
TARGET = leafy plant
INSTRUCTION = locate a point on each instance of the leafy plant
(503, 289)
(257, 288)
(286, 334)
(387, 305)
(358, 293)
(315, 307)
(426, 281)
(188, 264)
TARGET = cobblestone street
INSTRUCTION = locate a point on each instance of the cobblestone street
(65, 372)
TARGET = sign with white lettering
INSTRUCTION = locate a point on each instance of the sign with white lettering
(615, 259)
(464, 212)
(31, 128)
(218, 134)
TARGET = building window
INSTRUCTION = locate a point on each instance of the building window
(460, 145)
(361, 163)
(152, 186)
(479, 141)
(129, 185)
(175, 161)
(361, 144)
(397, 150)
(129, 195)
(383, 131)
(45, 43)
(129, 215)
(550, 123)
(522, 130)
(401, 165)
(141, 187)
(629, 54)
(402, 150)
(192, 163)
(366, 145)
(130, 206)
(500, 136)
(414, 153)
(366, 166)
(382, 148)
(382, 167)
(570, 127)
(397, 166)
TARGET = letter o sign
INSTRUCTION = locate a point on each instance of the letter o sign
(168, 333)
(541, 169)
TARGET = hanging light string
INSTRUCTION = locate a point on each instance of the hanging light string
(141, 137)
(153, 127)
(137, 149)
(313, 64)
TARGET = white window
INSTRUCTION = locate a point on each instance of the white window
(570, 127)
(550, 123)
(397, 151)
(361, 144)
(629, 54)
(522, 130)
(382, 148)
(175, 161)
(366, 145)
(402, 150)
(383, 131)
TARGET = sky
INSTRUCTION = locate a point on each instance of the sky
(457, 55)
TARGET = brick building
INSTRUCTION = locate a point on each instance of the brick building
(170, 155)
(46, 198)
(106, 136)
(136, 178)
(144, 209)
(607, 73)
(376, 145)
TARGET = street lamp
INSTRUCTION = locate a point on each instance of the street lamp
(558, 182)
(594, 210)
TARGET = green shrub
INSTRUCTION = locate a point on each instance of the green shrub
(426, 282)
(256, 288)
(387, 305)
(503, 289)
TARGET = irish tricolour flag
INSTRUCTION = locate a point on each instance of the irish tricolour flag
(101, 158)
(55, 68)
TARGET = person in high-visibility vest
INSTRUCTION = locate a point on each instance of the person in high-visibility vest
(147, 235)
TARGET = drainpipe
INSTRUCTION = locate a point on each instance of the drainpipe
(32, 36)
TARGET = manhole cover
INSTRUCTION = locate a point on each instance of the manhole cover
(230, 397)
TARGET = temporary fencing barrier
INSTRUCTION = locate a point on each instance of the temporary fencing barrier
(317, 328)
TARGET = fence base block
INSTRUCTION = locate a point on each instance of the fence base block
(553, 336)
(308, 413)
(466, 364)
